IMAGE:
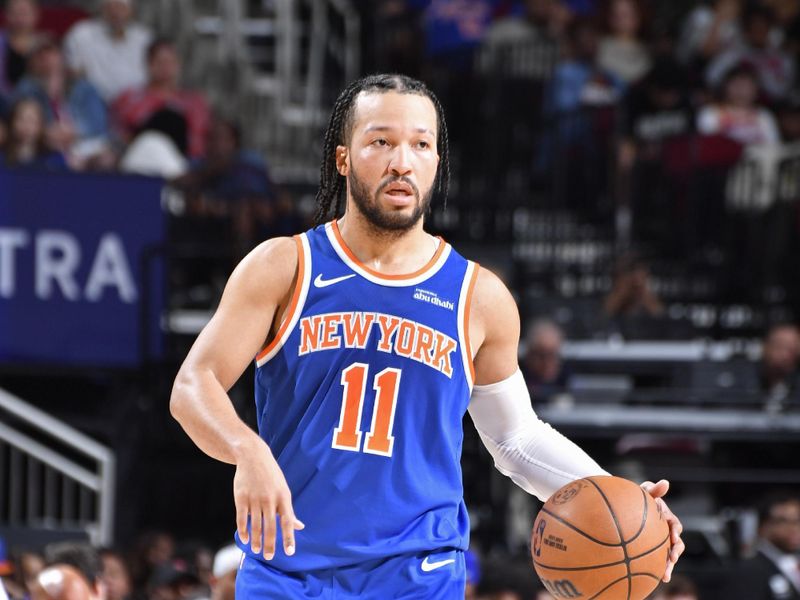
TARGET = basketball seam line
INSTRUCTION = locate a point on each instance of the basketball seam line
(619, 532)
(645, 512)
(616, 581)
(613, 564)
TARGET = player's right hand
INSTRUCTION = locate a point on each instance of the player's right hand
(261, 494)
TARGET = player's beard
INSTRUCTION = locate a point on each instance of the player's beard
(383, 220)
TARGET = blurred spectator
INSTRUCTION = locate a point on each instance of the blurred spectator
(578, 81)
(527, 44)
(541, 20)
(109, 50)
(579, 105)
(115, 575)
(223, 575)
(738, 115)
(398, 29)
(773, 67)
(174, 580)
(679, 588)
(778, 376)
(710, 30)
(26, 566)
(151, 550)
(454, 28)
(26, 143)
(656, 110)
(17, 41)
(621, 51)
(76, 116)
(234, 183)
(84, 560)
(774, 572)
(161, 105)
(632, 308)
(631, 293)
(789, 117)
(542, 366)
(203, 559)
(3, 595)
(657, 113)
(62, 582)
(543, 595)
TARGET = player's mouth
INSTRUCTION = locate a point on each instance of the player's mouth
(399, 193)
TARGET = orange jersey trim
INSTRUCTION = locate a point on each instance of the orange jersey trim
(378, 274)
(287, 315)
(467, 307)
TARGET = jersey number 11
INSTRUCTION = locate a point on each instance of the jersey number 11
(347, 436)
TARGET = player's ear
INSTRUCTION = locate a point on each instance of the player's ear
(342, 160)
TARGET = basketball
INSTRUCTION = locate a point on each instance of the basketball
(600, 537)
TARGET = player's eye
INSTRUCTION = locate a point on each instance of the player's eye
(422, 144)
(380, 142)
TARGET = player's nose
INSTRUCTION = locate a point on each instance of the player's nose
(400, 163)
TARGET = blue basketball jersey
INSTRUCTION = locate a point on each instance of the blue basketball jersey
(361, 396)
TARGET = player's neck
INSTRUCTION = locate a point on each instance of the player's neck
(392, 254)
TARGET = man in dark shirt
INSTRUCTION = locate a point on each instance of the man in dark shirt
(774, 572)
(778, 376)
(655, 112)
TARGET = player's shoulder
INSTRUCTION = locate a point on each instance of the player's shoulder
(269, 268)
(278, 253)
(492, 300)
(489, 288)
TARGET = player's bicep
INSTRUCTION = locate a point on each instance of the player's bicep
(242, 322)
(494, 325)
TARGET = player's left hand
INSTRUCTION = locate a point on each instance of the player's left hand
(657, 491)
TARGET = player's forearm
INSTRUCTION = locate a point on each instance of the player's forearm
(534, 455)
(204, 410)
(540, 460)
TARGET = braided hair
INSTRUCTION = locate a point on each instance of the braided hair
(331, 193)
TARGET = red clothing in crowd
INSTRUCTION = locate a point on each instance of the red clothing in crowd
(134, 107)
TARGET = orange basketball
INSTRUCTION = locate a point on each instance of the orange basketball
(602, 538)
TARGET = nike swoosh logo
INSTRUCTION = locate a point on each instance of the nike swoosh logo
(427, 567)
(321, 283)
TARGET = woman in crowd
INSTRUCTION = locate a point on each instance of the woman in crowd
(621, 51)
(25, 144)
(738, 115)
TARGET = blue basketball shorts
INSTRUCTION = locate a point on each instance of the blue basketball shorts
(439, 575)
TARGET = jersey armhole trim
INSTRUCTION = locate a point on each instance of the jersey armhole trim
(464, 309)
(292, 314)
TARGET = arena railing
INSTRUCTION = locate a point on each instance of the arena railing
(52, 476)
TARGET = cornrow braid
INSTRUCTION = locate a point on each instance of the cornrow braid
(331, 193)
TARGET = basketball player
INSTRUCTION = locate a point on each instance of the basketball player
(372, 339)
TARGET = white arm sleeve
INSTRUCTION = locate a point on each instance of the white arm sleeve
(534, 455)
